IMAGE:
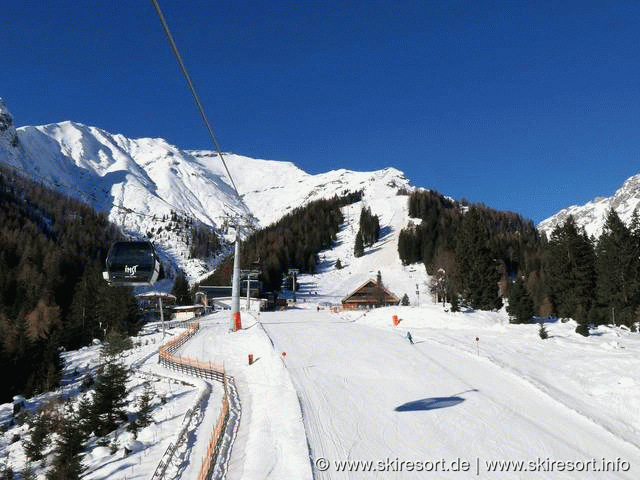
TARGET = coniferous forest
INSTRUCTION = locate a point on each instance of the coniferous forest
(470, 250)
(292, 242)
(52, 294)
(368, 233)
(476, 255)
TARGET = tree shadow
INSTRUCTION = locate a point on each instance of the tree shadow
(384, 232)
(433, 403)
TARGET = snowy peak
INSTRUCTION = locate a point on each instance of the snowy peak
(592, 216)
(271, 188)
(126, 177)
(154, 189)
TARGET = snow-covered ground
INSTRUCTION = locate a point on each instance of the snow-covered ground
(369, 395)
(350, 387)
(326, 388)
(271, 442)
(180, 402)
(331, 285)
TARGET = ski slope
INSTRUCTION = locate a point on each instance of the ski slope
(351, 388)
(270, 442)
(368, 395)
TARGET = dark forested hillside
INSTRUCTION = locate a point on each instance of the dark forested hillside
(52, 294)
(476, 254)
(508, 236)
(595, 281)
(292, 242)
(468, 248)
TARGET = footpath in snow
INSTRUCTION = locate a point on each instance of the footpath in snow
(270, 442)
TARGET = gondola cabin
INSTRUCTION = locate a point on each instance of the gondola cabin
(132, 264)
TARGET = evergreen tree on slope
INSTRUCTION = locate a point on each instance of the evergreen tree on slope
(520, 308)
(110, 395)
(67, 463)
(617, 268)
(477, 267)
(181, 290)
(570, 268)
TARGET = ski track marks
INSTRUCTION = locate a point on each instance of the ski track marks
(369, 395)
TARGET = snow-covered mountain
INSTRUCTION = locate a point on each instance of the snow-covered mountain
(271, 188)
(592, 215)
(143, 183)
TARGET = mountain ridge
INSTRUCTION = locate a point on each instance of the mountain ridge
(592, 215)
(143, 182)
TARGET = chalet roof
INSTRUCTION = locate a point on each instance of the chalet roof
(368, 288)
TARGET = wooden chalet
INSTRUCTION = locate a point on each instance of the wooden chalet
(369, 295)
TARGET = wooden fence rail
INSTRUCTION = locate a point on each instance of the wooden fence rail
(208, 370)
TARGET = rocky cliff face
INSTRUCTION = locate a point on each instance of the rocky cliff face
(11, 150)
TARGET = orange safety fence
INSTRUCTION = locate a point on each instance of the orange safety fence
(200, 368)
(208, 461)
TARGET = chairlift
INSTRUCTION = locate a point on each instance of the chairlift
(132, 264)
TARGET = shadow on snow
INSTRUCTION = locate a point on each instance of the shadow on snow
(433, 403)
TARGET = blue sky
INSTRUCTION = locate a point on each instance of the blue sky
(524, 106)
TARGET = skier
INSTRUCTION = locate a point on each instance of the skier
(410, 338)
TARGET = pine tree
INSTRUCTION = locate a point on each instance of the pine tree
(338, 264)
(145, 408)
(520, 306)
(542, 332)
(477, 267)
(87, 422)
(116, 310)
(455, 303)
(583, 329)
(181, 290)
(369, 227)
(110, 395)
(115, 343)
(617, 269)
(358, 249)
(67, 463)
(38, 438)
(83, 324)
(143, 415)
(570, 271)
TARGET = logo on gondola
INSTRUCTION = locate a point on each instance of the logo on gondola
(130, 271)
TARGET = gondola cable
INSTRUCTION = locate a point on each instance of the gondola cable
(236, 324)
(187, 77)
